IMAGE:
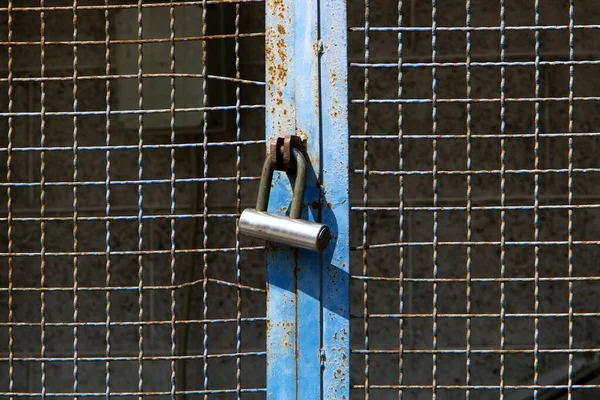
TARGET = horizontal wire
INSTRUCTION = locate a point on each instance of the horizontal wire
(131, 394)
(479, 208)
(475, 100)
(105, 7)
(378, 205)
(478, 243)
(92, 218)
(131, 41)
(463, 136)
(478, 315)
(451, 56)
(471, 28)
(530, 171)
(129, 252)
(166, 146)
(476, 387)
(232, 284)
(129, 112)
(480, 280)
(473, 64)
(128, 182)
(113, 217)
(131, 288)
(477, 351)
(237, 80)
(129, 76)
(135, 358)
(136, 323)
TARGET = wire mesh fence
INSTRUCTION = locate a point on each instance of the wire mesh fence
(133, 138)
(475, 199)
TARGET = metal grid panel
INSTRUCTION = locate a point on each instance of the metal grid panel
(475, 180)
(124, 273)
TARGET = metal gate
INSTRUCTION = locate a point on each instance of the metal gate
(452, 149)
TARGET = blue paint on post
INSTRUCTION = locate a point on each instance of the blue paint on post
(309, 263)
(308, 293)
(281, 331)
(336, 272)
(281, 286)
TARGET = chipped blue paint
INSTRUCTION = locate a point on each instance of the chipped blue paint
(280, 121)
(334, 122)
(307, 293)
(309, 263)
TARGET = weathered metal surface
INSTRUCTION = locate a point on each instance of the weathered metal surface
(281, 261)
(293, 73)
(336, 260)
(321, 335)
(309, 271)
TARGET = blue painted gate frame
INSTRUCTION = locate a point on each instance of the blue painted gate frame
(308, 351)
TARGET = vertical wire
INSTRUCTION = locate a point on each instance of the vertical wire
(75, 204)
(502, 196)
(469, 201)
(401, 202)
(205, 202)
(238, 204)
(536, 205)
(172, 210)
(435, 196)
(140, 202)
(365, 196)
(43, 198)
(186, 298)
(107, 71)
(9, 207)
(570, 189)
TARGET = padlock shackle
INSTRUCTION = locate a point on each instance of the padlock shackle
(264, 190)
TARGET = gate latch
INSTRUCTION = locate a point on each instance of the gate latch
(284, 155)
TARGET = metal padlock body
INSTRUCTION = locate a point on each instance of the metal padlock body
(292, 230)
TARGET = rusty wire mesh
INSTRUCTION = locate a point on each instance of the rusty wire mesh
(122, 270)
(475, 199)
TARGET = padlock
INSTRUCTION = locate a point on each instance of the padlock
(292, 230)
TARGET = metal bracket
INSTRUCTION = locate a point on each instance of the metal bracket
(281, 154)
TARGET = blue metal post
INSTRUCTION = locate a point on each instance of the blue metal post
(309, 323)
(307, 293)
(335, 178)
(281, 267)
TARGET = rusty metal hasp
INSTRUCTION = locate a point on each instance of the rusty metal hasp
(285, 155)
